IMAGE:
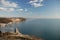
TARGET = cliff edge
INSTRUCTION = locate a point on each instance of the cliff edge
(14, 35)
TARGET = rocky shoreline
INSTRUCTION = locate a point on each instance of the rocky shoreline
(11, 36)
(14, 35)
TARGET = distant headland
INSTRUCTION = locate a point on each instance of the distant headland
(13, 19)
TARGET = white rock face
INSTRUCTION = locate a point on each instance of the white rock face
(2, 25)
(17, 31)
(10, 27)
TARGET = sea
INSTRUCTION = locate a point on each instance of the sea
(47, 29)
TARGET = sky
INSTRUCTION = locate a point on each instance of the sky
(30, 8)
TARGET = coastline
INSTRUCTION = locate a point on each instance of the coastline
(14, 35)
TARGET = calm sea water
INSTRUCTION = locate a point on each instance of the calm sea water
(48, 29)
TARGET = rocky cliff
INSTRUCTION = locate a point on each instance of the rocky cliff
(7, 20)
(17, 35)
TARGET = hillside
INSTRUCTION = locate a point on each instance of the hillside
(7, 20)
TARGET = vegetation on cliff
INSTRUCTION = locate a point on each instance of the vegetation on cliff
(16, 35)
(7, 20)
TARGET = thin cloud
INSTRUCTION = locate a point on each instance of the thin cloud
(11, 9)
(5, 3)
(1, 8)
(36, 3)
(10, 6)
(20, 10)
